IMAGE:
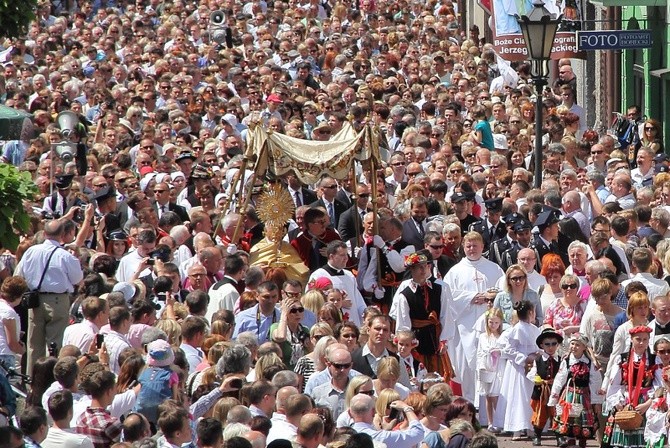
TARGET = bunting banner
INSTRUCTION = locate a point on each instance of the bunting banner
(508, 40)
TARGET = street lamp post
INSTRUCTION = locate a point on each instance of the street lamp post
(539, 29)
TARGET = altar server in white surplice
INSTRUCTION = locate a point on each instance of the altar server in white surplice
(471, 283)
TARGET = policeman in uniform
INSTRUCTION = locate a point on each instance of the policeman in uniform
(499, 246)
(491, 228)
(546, 241)
(523, 235)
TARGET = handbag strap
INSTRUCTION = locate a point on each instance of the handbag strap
(574, 392)
(44, 272)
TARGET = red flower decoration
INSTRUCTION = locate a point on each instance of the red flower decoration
(580, 369)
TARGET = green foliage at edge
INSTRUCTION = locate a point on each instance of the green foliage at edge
(15, 188)
(15, 16)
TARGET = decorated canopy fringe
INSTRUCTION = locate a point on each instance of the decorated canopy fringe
(310, 159)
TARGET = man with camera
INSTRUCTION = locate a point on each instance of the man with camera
(362, 411)
(52, 273)
(136, 264)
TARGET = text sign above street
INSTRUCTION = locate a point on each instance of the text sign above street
(613, 39)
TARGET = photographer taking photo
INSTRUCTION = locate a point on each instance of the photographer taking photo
(362, 410)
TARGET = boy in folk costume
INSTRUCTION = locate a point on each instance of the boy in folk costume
(574, 390)
(421, 306)
(542, 374)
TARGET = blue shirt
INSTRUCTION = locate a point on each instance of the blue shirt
(322, 377)
(250, 319)
(406, 438)
(253, 320)
(14, 152)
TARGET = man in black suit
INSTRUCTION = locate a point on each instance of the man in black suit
(366, 358)
(350, 227)
(300, 194)
(414, 229)
(163, 204)
(344, 193)
(441, 264)
(334, 208)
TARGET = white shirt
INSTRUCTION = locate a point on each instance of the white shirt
(347, 282)
(281, 429)
(223, 298)
(80, 335)
(181, 254)
(65, 438)
(115, 343)
(400, 308)
(128, 265)
(638, 177)
(8, 313)
(64, 268)
(655, 287)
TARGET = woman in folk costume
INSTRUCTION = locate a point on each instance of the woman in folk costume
(574, 390)
(632, 385)
(421, 306)
(520, 351)
(656, 427)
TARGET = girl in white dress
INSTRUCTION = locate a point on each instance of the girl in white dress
(520, 351)
(489, 366)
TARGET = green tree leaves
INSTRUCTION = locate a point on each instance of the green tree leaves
(15, 188)
(15, 16)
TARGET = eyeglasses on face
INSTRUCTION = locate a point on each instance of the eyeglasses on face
(341, 366)
(550, 344)
(569, 286)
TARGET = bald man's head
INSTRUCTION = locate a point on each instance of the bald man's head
(282, 395)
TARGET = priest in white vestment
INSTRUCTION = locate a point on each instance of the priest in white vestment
(471, 284)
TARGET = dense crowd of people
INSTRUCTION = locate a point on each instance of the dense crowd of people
(435, 302)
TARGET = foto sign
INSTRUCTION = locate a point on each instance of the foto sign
(613, 40)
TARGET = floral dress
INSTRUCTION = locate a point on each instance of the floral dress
(624, 390)
(559, 316)
(576, 383)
